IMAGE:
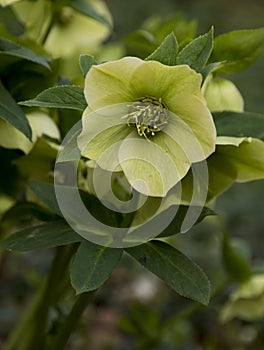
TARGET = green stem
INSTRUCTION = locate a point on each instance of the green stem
(54, 289)
(30, 331)
(71, 321)
(51, 23)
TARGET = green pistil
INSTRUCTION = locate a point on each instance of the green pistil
(149, 116)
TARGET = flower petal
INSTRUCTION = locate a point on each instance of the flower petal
(148, 167)
(231, 140)
(101, 134)
(152, 78)
(248, 159)
(194, 112)
(109, 83)
(179, 88)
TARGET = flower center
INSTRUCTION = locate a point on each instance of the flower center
(148, 115)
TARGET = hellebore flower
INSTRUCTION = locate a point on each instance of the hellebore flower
(41, 125)
(247, 301)
(222, 95)
(66, 32)
(155, 115)
(80, 30)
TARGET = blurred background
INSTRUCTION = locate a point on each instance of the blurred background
(134, 306)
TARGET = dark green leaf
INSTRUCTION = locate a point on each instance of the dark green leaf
(178, 271)
(87, 9)
(209, 69)
(44, 236)
(86, 62)
(46, 194)
(12, 113)
(239, 49)
(183, 29)
(176, 224)
(64, 96)
(140, 43)
(99, 211)
(222, 173)
(239, 124)
(236, 266)
(92, 266)
(23, 211)
(10, 48)
(166, 53)
(197, 52)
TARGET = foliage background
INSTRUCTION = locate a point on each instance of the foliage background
(127, 308)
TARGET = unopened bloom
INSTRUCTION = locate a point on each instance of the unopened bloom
(247, 301)
(155, 113)
(222, 95)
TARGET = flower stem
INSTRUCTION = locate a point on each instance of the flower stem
(30, 331)
(71, 321)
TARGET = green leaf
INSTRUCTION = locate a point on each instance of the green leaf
(23, 211)
(197, 52)
(46, 194)
(236, 266)
(210, 68)
(87, 9)
(140, 42)
(239, 49)
(176, 224)
(12, 113)
(183, 29)
(64, 96)
(92, 266)
(52, 234)
(86, 62)
(166, 53)
(222, 173)
(10, 48)
(178, 271)
(244, 124)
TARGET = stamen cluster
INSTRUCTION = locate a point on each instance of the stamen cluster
(149, 116)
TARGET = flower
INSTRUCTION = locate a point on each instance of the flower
(65, 32)
(41, 124)
(156, 116)
(247, 301)
(73, 31)
(222, 95)
(236, 159)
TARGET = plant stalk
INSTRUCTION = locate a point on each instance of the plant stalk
(71, 321)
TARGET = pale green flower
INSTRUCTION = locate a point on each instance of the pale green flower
(40, 123)
(5, 3)
(65, 33)
(247, 301)
(158, 115)
(73, 32)
(36, 16)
